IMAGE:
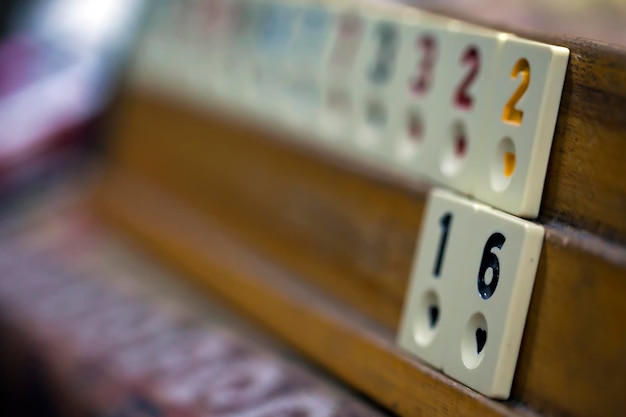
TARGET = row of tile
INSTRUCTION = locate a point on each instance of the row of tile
(462, 106)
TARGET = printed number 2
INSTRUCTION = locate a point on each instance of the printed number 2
(462, 98)
(510, 114)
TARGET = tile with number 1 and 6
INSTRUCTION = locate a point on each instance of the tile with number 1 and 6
(469, 291)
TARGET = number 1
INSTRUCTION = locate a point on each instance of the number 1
(445, 223)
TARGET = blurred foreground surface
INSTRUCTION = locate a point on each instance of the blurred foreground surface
(91, 326)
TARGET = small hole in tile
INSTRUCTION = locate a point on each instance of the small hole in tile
(455, 151)
(414, 127)
(338, 108)
(304, 92)
(503, 165)
(376, 115)
(474, 342)
(412, 138)
(433, 312)
(375, 124)
(428, 317)
(338, 101)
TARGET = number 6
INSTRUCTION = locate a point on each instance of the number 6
(490, 260)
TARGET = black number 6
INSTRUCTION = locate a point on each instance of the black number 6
(490, 260)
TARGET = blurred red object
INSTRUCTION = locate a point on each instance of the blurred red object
(58, 71)
(45, 96)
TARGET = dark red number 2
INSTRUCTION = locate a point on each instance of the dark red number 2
(462, 98)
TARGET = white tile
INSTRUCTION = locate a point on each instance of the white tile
(514, 157)
(245, 54)
(212, 71)
(180, 56)
(304, 66)
(338, 107)
(440, 257)
(467, 63)
(419, 73)
(276, 32)
(490, 299)
(377, 71)
(159, 56)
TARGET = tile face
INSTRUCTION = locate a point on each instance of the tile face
(377, 72)
(277, 23)
(469, 291)
(337, 110)
(158, 59)
(463, 99)
(305, 64)
(428, 308)
(490, 300)
(212, 46)
(419, 72)
(514, 156)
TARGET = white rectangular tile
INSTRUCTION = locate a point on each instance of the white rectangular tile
(490, 300)
(468, 61)
(277, 22)
(304, 67)
(514, 158)
(440, 257)
(377, 73)
(338, 107)
(413, 138)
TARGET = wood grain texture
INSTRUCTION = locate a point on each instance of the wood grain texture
(352, 231)
(357, 350)
(586, 180)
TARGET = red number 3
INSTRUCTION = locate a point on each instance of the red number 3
(422, 84)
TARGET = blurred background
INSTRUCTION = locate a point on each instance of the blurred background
(59, 63)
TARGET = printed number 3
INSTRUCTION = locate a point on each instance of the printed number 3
(422, 83)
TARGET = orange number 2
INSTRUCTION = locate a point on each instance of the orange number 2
(510, 114)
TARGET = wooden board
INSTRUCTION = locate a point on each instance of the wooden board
(351, 230)
(92, 326)
(337, 337)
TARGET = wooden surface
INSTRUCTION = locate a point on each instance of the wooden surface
(359, 351)
(351, 230)
(91, 325)
(586, 182)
